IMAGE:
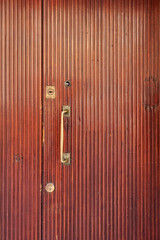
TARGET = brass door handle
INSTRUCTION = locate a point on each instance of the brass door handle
(65, 157)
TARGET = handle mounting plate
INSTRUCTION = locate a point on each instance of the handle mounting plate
(67, 108)
(66, 158)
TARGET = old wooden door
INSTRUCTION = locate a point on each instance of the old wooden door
(100, 60)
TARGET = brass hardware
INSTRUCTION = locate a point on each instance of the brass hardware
(50, 92)
(50, 187)
(67, 111)
(65, 157)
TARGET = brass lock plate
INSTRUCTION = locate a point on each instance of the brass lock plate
(50, 187)
(50, 92)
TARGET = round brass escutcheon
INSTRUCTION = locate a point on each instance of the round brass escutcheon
(50, 187)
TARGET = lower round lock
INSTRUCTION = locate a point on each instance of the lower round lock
(50, 187)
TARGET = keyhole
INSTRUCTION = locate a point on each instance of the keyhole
(50, 91)
(67, 83)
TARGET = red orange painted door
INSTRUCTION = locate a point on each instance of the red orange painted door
(108, 54)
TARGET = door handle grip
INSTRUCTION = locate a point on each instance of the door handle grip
(65, 157)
